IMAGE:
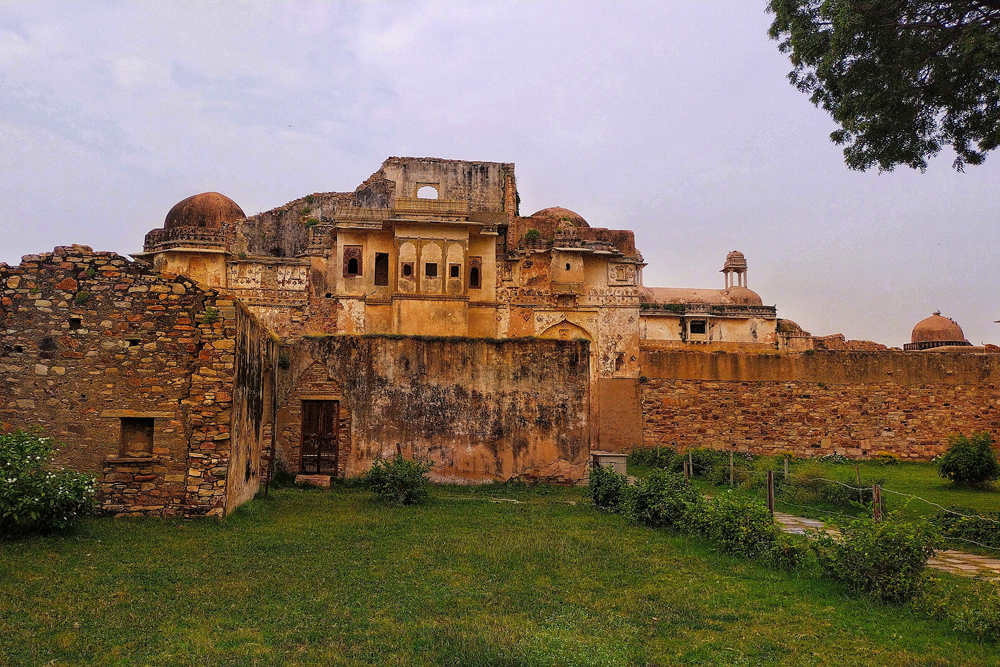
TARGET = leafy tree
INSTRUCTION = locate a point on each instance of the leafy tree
(902, 78)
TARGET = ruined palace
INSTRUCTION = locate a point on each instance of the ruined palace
(422, 312)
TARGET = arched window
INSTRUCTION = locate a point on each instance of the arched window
(352, 266)
(474, 277)
(427, 192)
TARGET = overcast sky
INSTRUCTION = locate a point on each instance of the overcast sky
(674, 119)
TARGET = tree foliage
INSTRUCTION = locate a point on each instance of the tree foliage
(902, 78)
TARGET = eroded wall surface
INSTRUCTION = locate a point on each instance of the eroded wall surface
(93, 343)
(853, 403)
(480, 409)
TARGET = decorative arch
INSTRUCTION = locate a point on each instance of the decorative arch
(566, 330)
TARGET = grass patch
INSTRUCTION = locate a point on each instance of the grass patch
(315, 577)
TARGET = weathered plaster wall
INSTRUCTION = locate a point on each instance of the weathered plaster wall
(256, 360)
(480, 409)
(853, 403)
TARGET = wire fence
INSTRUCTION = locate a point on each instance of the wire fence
(758, 480)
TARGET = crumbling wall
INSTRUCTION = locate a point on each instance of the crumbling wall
(94, 345)
(853, 403)
(256, 359)
(481, 409)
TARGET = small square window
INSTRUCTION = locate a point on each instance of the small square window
(431, 270)
(698, 327)
(454, 269)
(136, 436)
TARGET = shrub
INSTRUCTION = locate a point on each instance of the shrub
(81, 298)
(970, 460)
(972, 608)
(532, 235)
(399, 480)
(663, 500)
(883, 560)
(34, 497)
(975, 526)
(211, 315)
(809, 484)
(740, 525)
(607, 488)
(653, 457)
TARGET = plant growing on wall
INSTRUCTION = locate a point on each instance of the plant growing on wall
(532, 235)
(211, 315)
(35, 496)
(81, 298)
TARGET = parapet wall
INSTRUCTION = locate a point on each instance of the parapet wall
(853, 403)
(480, 409)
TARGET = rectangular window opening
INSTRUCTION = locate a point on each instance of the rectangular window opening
(381, 269)
(136, 436)
(431, 270)
(407, 270)
(455, 271)
(698, 327)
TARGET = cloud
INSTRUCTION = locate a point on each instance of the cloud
(672, 119)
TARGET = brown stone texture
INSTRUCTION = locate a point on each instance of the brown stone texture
(126, 343)
(479, 409)
(854, 403)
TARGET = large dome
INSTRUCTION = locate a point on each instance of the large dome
(937, 329)
(209, 210)
(561, 217)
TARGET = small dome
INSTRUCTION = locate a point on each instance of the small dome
(788, 326)
(209, 210)
(742, 296)
(735, 260)
(561, 218)
(937, 329)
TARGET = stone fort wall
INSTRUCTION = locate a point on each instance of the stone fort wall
(855, 403)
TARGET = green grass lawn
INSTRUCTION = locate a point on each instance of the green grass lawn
(310, 577)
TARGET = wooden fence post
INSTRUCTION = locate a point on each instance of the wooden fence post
(770, 492)
(877, 503)
(687, 473)
(690, 462)
(786, 470)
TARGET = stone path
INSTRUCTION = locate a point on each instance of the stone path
(949, 560)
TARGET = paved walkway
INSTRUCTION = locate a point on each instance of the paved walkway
(949, 560)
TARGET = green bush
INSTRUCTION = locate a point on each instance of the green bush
(653, 457)
(399, 480)
(884, 560)
(970, 460)
(532, 235)
(975, 526)
(607, 488)
(35, 497)
(810, 484)
(663, 500)
(972, 608)
(740, 525)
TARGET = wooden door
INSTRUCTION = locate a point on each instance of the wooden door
(320, 437)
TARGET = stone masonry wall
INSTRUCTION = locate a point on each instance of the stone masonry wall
(481, 409)
(857, 404)
(91, 340)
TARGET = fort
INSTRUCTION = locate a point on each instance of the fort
(423, 311)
